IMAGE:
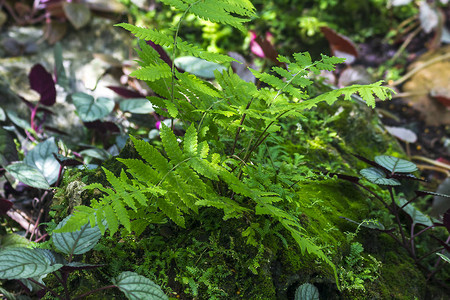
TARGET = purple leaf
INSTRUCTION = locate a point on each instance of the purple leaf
(67, 161)
(5, 205)
(161, 53)
(124, 92)
(102, 126)
(42, 82)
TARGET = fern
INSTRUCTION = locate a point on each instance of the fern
(218, 162)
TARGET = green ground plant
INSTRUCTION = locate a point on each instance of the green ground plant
(215, 163)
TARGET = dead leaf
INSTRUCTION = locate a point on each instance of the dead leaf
(402, 134)
(22, 9)
(341, 46)
(78, 14)
(429, 18)
(431, 80)
(54, 31)
(354, 75)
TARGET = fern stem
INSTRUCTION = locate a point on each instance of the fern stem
(175, 38)
(287, 84)
(173, 168)
(238, 130)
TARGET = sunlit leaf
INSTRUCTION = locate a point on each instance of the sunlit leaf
(42, 158)
(13, 240)
(395, 165)
(90, 109)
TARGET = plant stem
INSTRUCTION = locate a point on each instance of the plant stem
(45, 288)
(94, 291)
(397, 217)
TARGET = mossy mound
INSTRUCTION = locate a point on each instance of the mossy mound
(213, 258)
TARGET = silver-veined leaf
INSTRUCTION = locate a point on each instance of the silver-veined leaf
(42, 158)
(28, 175)
(395, 164)
(76, 242)
(137, 287)
(377, 176)
(20, 263)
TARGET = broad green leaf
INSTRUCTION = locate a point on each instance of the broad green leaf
(395, 164)
(12, 240)
(198, 66)
(41, 157)
(78, 14)
(137, 287)
(28, 175)
(137, 106)
(417, 216)
(307, 291)
(377, 176)
(18, 121)
(20, 263)
(90, 109)
(76, 242)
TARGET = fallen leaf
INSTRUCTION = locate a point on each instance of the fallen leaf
(403, 134)
(429, 18)
(425, 83)
(341, 46)
(54, 31)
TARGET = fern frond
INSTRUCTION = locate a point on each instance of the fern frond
(151, 155)
(193, 82)
(153, 72)
(148, 34)
(190, 141)
(365, 91)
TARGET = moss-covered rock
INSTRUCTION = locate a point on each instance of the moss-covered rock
(214, 259)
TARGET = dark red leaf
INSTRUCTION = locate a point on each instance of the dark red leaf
(262, 47)
(124, 92)
(162, 53)
(67, 161)
(341, 46)
(446, 220)
(42, 82)
(443, 99)
(5, 205)
(102, 126)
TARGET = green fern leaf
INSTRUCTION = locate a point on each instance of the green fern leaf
(190, 141)
(151, 155)
(180, 5)
(111, 219)
(148, 34)
(121, 213)
(170, 144)
(152, 72)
